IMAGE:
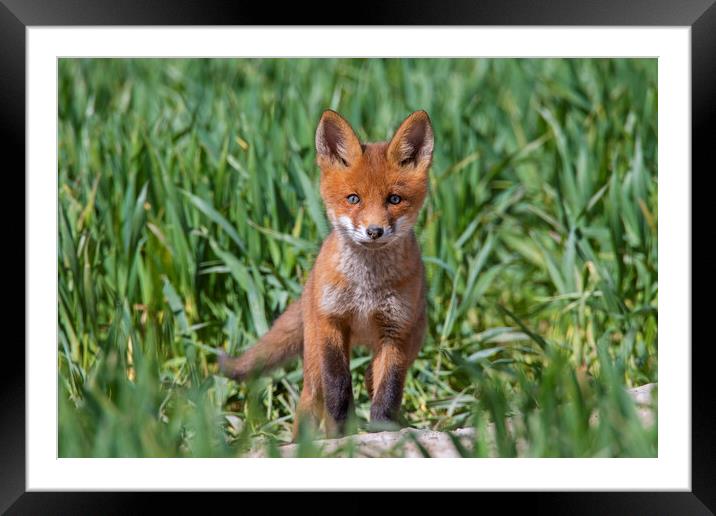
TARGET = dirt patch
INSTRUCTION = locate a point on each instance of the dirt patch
(410, 442)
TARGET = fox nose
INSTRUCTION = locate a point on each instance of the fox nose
(374, 232)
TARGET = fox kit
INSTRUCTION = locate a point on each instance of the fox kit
(367, 286)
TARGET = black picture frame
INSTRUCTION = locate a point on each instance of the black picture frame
(17, 15)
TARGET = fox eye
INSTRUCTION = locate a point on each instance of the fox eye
(394, 199)
(353, 199)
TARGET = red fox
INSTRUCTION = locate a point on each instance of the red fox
(367, 286)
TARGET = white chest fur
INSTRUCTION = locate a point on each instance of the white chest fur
(371, 276)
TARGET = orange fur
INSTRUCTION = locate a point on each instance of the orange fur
(367, 286)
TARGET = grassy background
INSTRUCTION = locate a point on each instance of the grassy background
(189, 216)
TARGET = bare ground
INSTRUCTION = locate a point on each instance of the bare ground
(410, 442)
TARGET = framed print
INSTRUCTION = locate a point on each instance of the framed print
(267, 256)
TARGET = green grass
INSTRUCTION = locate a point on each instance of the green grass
(189, 217)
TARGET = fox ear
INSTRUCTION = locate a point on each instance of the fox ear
(412, 144)
(336, 142)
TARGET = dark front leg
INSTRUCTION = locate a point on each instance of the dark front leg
(389, 366)
(336, 379)
(388, 372)
(388, 397)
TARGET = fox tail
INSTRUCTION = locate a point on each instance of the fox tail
(282, 342)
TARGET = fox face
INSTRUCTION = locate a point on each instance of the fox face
(373, 192)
